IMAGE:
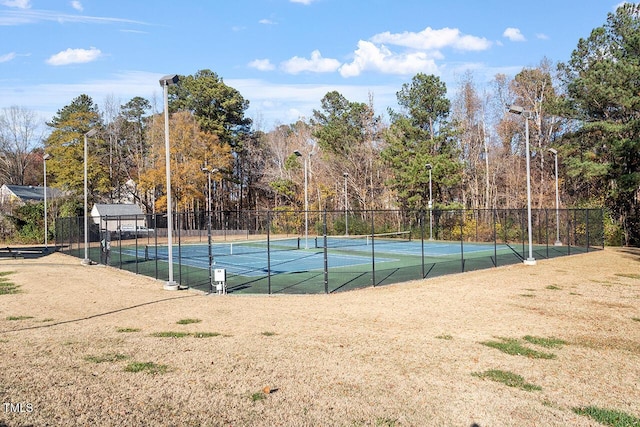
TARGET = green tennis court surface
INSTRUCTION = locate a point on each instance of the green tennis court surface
(298, 265)
(296, 270)
(316, 252)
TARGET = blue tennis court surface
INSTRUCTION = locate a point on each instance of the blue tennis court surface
(258, 264)
(250, 258)
(376, 248)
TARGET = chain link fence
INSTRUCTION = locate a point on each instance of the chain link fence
(285, 251)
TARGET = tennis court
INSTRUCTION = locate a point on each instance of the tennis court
(298, 265)
(271, 252)
(250, 258)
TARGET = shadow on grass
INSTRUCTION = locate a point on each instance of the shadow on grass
(26, 252)
(94, 316)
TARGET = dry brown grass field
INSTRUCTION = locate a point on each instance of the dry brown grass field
(95, 346)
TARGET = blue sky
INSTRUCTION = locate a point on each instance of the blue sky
(282, 55)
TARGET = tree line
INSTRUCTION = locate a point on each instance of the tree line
(586, 111)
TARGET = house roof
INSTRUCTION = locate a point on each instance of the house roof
(123, 209)
(31, 193)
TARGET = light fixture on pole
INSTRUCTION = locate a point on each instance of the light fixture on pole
(306, 202)
(346, 205)
(86, 260)
(46, 230)
(165, 82)
(209, 172)
(516, 109)
(558, 241)
(428, 166)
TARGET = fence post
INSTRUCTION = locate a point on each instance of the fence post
(539, 227)
(495, 240)
(576, 229)
(136, 237)
(546, 229)
(103, 240)
(269, 252)
(179, 247)
(59, 227)
(505, 234)
(476, 213)
(155, 255)
(587, 229)
(326, 254)
(524, 232)
(569, 232)
(373, 252)
(77, 227)
(119, 222)
(422, 239)
(462, 214)
(602, 236)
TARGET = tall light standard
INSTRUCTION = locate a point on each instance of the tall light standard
(46, 230)
(165, 82)
(558, 241)
(346, 205)
(209, 172)
(306, 202)
(86, 260)
(428, 166)
(516, 109)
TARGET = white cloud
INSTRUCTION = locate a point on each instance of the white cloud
(261, 64)
(305, 2)
(422, 49)
(369, 57)
(7, 57)
(542, 36)
(133, 31)
(430, 39)
(267, 22)
(276, 103)
(74, 56)
(47, 99)
(20, 4)
(316, 64)
(514, 35)
(77, 5)
(20, 17)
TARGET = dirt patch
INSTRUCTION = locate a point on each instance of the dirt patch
(98, 346)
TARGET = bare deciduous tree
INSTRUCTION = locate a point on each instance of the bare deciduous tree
(21, 131)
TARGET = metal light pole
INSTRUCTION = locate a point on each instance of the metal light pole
(516, 109)
(46, 230)
(306, 202)
(209, 172)
(346, 205)
(165, 82)
(86, 260)
(429, 167)
(558, 241)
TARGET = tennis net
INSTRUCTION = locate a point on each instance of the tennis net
(363, 240)
(226, 248)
